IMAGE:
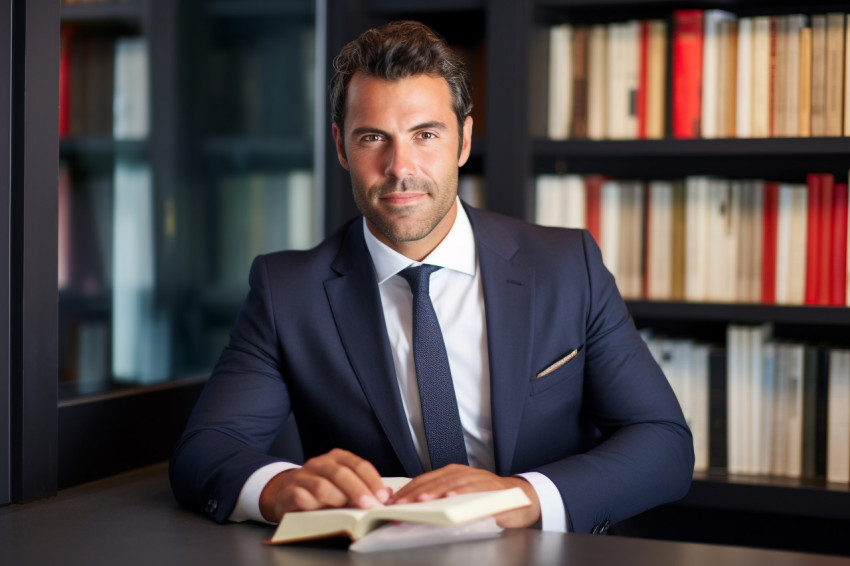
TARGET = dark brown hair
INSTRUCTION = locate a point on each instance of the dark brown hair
(396, 51)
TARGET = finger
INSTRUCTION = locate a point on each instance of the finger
(367, 474)
(438, 483)
(352, 479)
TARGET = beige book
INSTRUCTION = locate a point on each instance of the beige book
(678, 271)
(760, 105)
(778, 90)
(729, 97)
(818, 120)
(847, 82)
(744, 79)
(356, 523)
(791, 116)
(656, 73)
(805, 108)
(834, 74)
(597, 78)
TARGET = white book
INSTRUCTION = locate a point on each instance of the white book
(698, 376)
(838, 417)
(549, 201)
(140, 335)
(659, 243)
(711, 69)
(736, 401)
(631, 76)
(300, 217)
(758, 336)
(611, 224)
(597, 81)
(721, 242)
(131, 96)
(760, 105)
(575, 201)
(560, 81)
(696, 237)
(744, 100)
(783, 243)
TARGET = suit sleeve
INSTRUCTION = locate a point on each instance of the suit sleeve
(645, 456)
(239, 413)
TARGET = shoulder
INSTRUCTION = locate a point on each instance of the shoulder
(509, 236)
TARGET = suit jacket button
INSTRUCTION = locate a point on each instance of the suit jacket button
(211, 507)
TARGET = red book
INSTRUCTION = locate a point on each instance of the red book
(65, 39)
(687, 72)
(593, 186)
(827, 186)
(838, 274)
(813, 243)
(769, 225)
(643, 77)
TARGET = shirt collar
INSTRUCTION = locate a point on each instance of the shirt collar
(455, 252)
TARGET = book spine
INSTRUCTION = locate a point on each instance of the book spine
(687, 72)
(838, 263)
(769, 224)
(813, 243)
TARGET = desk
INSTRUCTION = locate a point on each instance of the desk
(132, 519)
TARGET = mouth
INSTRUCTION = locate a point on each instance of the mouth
(402, 198)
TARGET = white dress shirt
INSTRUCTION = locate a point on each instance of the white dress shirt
(458, 299)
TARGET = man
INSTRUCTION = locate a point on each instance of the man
(555, 391)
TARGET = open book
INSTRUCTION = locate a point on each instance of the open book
(356, 523)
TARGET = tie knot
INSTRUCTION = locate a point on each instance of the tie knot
(419, 277)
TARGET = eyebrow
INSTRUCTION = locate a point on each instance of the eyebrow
(433, 125)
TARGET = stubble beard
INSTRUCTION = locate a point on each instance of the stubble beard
(401, 224)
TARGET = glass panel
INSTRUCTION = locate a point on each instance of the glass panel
(187, 135)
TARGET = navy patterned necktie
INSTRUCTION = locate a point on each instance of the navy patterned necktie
(443, 431)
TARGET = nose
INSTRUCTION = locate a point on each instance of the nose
(400, 161)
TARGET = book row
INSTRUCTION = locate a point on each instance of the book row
(711, 73)
(104, 85)
(708, 239)
(760, 405)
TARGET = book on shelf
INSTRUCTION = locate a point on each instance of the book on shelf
(760, 405)
(712, 239)
(750, 77)
(358, 523)
(838, 417)
(835, 74)
(688, 28)
(131, 92)
(714, 66)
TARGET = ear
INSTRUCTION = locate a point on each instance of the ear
(340, 146)
(466, 143)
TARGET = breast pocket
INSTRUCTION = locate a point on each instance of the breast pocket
(567, 367)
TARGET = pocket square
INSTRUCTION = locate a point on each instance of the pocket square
(560, 363)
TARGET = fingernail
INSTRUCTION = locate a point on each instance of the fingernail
(384, 495)
(366, 502)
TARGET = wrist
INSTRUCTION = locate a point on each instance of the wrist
(269, 500)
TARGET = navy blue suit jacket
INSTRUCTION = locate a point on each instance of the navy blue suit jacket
(605, 428)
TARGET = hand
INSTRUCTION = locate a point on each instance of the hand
(335, 479)
(455, 479)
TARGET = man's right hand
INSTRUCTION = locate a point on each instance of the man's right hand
(335, 479)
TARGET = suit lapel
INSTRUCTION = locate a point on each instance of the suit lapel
(356, 305)
(508, 300)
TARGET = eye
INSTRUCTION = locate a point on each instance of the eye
(371, 138)
(427, 135)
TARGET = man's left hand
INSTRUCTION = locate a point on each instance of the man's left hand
(456, 479)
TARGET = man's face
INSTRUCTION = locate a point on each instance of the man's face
(401, 147)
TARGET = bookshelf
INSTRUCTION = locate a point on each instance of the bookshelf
(791, 508)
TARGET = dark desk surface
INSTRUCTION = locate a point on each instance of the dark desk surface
(133, 519)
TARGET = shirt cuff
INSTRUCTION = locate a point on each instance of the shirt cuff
(553, 515)
(248, 505)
